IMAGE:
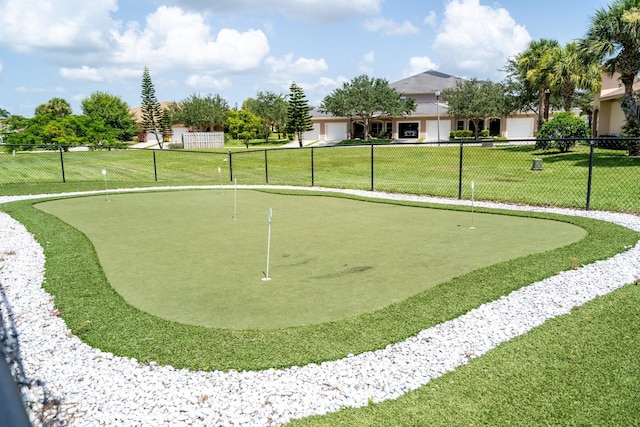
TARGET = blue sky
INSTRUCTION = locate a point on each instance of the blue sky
(235, 48)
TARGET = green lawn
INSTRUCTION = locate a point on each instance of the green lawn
(502, 173)
(331, 258)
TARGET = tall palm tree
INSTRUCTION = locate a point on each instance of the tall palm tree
(614, 39)
(569, 71)
(533, 69)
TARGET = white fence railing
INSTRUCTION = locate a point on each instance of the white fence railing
(203, 140)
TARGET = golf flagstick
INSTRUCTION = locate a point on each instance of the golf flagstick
(473, 189)
(235, 198)
(104, 174)
(266, 275)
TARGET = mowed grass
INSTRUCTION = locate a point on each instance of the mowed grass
(182, 256)
(502, 173)
(96, 313)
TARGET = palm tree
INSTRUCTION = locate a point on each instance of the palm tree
(4, 113)
(533, 69)
(569, 71)
(57, 107)
(614, 39)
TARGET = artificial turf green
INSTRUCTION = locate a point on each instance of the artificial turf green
(579, 369)
(183, 257)
(101, 318)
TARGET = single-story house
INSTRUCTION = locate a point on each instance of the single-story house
(429, 122)
(610, 117)
(178, 130)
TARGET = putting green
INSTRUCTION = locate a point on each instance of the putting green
(182, 256)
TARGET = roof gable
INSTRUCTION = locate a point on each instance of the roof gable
(426, 82)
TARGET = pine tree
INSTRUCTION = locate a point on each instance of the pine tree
(298, 117)
(151, 114)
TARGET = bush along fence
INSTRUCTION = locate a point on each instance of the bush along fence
(588, 176)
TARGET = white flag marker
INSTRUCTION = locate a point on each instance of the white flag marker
(266, 274)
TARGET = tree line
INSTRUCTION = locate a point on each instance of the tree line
(545, 76)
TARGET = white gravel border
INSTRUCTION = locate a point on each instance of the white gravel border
(94, 388)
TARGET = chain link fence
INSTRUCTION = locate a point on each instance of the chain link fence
(588, 176)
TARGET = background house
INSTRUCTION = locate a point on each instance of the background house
(429, 122)
(610, 117)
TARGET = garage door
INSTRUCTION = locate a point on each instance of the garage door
(336, 131)
(312, 135)
(518, 128)
(432, 130)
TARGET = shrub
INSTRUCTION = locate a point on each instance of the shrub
(461, 134)
(612, 142)
(484, 133)
(632, 131)
(562, 132)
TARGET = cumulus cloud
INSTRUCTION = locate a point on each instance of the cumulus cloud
(321, 11)
(173, 38)
(468, 44)
(197, 81)
(366, 63)
(25, 89)
(431, 18)
(39, 25)
(100, 74)
(78, 32)
(323, 84)
(299, 66)
(420, 64)
(389, 27)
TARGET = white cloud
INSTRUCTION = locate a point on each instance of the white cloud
(301, 66)
(83, 73)
(365, 65)
(173, 38)
(308, 10)
(25, 89)
(39, 25)
(197, 81)
(477, 40)
(79, 32)
(324, 84)
(431, 18)
(100, 74)
(420, 64)
(389, 27)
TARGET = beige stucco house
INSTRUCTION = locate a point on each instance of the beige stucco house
(609, 116)
(430, 121)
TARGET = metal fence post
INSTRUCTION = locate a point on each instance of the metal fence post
(372, 167)
(64, 179)
(313, 175)
(155, 166)
(592, 144)
(460, 175)
(266, 167)
(230, 167)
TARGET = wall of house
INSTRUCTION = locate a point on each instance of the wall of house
(610, 118)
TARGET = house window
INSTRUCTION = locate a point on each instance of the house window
(408, 130)
(472, 126)
(376, 128)
(459, 124)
